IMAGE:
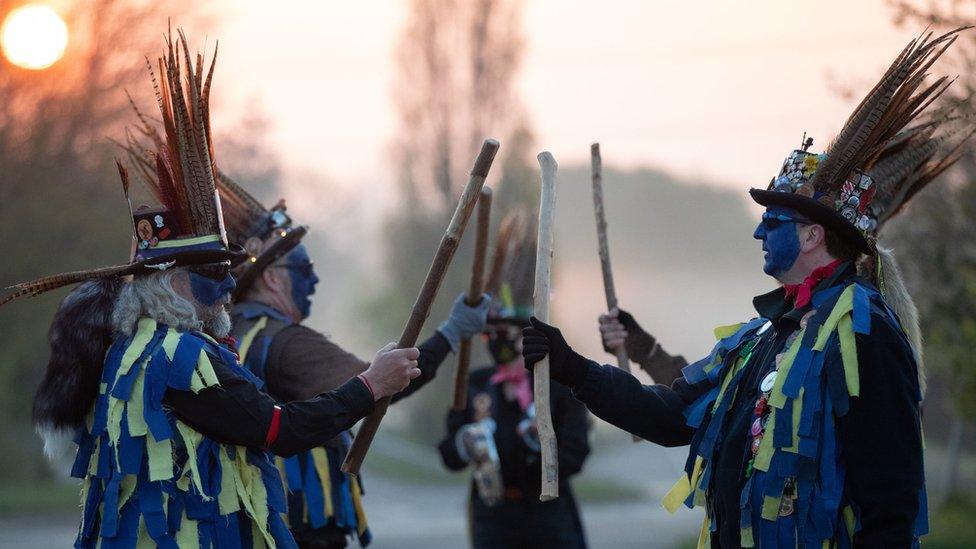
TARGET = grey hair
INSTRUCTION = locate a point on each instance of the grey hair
(153, 296)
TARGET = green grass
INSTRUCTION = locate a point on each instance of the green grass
(41, 497)
(595, 490)
(952, 524)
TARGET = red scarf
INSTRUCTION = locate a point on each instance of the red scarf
(802, 292)
(515, 373)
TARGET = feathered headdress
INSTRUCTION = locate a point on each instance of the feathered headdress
(187, 228)
(877, 162)
(265, 234)
(512, 276)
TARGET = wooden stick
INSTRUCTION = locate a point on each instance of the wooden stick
(475, 291)
(596, 164)
(543, 269)
(425, 299)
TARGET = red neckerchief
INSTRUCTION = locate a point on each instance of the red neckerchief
(802, 292)
(515, 373)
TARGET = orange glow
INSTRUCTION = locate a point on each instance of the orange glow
(33, 37)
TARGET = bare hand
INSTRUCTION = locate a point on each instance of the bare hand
(612, 332)
(391, 370)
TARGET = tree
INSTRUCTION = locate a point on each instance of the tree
(61, 206)
(456, 65)
(937, 233)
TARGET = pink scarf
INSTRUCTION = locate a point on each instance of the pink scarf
(515, 374)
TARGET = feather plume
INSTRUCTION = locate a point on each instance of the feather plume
(893, 103)
(508, 232)
(41, 285)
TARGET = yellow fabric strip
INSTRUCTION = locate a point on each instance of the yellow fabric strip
(187, 537)
(770, 508)
(845, 304)
(248, 338)
(144, 332)
(745, 537)
(321, 460)
(191, 440)
(357, 502)
(170, 341)
(848, 353)
(227, 498)
(250, 491)
(143, 541)
(178, 242)
(765, 454)
(723, 332)
(705, 535)
(160, 456)
(134, 409)
(682, 488)
(849, 521)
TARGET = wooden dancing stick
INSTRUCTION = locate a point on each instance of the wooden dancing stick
(473, 298)
(425, 299)
(596, 165)
(543, 269)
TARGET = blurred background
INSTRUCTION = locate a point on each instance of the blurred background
(366, 116)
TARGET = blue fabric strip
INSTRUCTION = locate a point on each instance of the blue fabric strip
(862, 310)
(184, 362)
(314, 497)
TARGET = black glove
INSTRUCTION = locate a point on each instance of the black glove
(565, 365)
(639, 344)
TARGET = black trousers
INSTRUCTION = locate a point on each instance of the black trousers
(527, 524)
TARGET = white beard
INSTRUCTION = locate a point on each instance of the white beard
(216, 320)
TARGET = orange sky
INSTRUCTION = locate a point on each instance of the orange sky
(719, 90)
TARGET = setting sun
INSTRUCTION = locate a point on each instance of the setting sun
(33, 37)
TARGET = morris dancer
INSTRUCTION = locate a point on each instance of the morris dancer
(296, 362)
(804, 423)
(495, 434)
(174, 436)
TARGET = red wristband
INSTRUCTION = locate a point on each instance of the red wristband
(273, 428)
(368, 386)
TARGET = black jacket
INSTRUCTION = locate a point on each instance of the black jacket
(880, 434)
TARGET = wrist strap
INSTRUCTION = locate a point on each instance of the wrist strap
(274, 428)
(368, 386)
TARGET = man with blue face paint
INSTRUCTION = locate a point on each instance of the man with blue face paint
(272, 298)
(803, 423)
(175, 438)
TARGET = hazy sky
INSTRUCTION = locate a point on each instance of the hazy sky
(721, 90)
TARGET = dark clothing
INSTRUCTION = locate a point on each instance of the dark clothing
(526, 524)
(520, 520)
(295, 361)
(302, 361)
(879, 436)
(237, 412)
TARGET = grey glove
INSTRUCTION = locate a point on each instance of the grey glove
(464, 322)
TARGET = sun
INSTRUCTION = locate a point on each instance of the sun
(33, 37)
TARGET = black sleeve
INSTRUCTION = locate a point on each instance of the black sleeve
(882, 441)
(447, 447)
(652, 412)
(236, 412)
(572, 425)
(432, 354)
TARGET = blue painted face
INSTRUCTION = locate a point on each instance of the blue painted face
(303, 279)
(777, 230)
(209, 291)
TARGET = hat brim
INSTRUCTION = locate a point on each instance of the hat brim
(280, 247)
(185, 258)
(817, 212)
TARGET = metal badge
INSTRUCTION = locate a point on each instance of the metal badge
(768, 382)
